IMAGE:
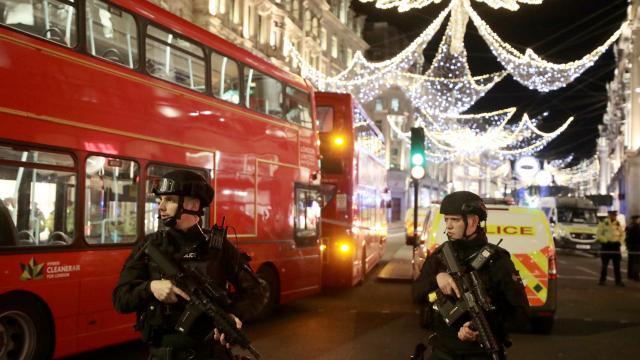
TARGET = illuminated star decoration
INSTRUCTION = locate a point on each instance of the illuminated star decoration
(448, 86)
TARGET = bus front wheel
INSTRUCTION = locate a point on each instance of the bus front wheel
(269, 275)
(25, 329)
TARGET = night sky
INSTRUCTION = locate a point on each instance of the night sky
(559, 31)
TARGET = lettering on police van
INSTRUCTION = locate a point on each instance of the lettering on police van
(510, 230)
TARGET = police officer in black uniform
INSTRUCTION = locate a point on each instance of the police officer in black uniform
(158, 302)
(463, 213)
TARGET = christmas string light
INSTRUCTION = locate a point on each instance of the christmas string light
(529, 68)
(561, 163)
(405, 5)
(500, 139)
(580, 175)
(361, 72)
(448, 86)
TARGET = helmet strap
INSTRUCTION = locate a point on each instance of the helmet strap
(172, 221)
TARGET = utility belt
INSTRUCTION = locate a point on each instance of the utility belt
(170, 353)
(167, 353)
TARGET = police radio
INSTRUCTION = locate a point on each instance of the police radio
(217, 235)
(483, 255)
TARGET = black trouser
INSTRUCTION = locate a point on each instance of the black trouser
(180, 347)
(610, 251)
(439, 354)
(633, 271)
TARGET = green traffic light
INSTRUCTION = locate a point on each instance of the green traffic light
(417, 159)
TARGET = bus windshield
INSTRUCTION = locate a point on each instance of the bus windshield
(577, 215)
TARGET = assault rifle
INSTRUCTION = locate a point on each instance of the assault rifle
(205, 297)
(473, 300)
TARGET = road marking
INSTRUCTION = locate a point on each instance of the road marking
(578, 277)
(396, 234)
(588, 271)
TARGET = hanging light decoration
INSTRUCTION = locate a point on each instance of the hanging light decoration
(561, 163)
(404, 5)
(489, 136)
(529, 68)
(580, 175)
(361, 73)
(448, 86)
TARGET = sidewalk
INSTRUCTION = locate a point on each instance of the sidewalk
(399, 267)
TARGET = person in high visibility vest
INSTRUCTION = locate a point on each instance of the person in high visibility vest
(610, 235)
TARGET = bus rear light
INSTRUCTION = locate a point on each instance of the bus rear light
(344, 247)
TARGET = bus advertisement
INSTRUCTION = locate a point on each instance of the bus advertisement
(99, 100)
(354, 225)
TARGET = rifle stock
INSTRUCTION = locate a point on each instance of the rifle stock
(205, 297)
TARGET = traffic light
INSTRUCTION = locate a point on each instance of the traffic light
(418, 156)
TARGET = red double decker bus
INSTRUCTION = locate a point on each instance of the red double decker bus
(101, 98)
(354, 225)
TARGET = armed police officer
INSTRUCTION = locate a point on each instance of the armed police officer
(463, 213)
(158, 302)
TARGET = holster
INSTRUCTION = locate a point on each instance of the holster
(150, 323)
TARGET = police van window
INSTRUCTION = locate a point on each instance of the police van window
(225, 78)
(154, 174)
(54, 20)
(110, 200)
(264, 93)
(112, 34)
(38, 191)
(174, 59)
(307, 216)
(298, 105)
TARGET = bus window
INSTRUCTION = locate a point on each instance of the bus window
(111, 198)
(49, 19)
(154, 174)
(307, 216)
(264, 93)
(173, 59)
(225, 78)
(112, 34)
(38, 191)
(331, 151)
(298, 105)
(324, 115)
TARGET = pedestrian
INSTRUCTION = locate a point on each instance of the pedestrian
(158, 302)
(463, 214)
(610, 234)
(632, 242)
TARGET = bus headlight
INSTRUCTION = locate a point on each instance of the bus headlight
(344, 248)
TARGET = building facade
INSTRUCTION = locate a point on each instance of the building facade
(619, 143)
(325, 32)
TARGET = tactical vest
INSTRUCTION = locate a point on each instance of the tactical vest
(159, 319)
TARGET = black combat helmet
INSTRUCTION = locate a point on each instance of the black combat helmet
(463, 203)
(184, 183)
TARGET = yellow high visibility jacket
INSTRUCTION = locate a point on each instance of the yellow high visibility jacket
(610, 231)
